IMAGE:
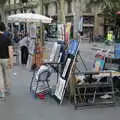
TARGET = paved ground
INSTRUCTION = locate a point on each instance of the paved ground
(88, 51)
(20, 105)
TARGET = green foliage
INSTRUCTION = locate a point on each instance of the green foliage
(108, 7)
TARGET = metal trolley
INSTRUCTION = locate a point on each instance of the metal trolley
(92, 93)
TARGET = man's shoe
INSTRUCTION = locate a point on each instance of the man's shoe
(7, 91)
(106, 96)
(2, 95)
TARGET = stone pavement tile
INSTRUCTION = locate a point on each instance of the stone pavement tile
(98, 46)
(22, 106)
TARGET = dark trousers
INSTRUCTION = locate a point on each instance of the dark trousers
(24, 54)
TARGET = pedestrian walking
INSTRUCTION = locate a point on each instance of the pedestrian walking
(6, 60)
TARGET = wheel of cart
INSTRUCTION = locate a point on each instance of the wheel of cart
(40, 81)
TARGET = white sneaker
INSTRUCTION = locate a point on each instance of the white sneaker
(2, 94)
(7, 91)
(106, 96)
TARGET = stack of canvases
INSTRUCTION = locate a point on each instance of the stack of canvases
(45, 53)
(67, 69)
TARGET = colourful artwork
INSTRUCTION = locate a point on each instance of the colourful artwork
(99, 65)
(67, 33)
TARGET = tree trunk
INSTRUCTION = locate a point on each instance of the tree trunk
(78, 13)
(2, 9)
(2, 12)
(61, 12)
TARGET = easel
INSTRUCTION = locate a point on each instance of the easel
(66, 74)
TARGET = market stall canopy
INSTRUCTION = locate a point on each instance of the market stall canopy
(29, 17)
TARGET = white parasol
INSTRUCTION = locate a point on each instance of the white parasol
(29, 17)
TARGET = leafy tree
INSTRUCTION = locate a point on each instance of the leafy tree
(108, 7)
(2, 1)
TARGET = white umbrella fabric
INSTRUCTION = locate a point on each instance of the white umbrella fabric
(29, 17)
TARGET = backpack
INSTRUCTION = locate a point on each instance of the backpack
(5, 35)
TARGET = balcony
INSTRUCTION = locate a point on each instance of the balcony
(49, 1)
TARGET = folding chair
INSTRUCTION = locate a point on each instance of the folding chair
(53, 61)
(40, 81)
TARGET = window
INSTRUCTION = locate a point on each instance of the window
(88, 9)
(25, 10)
(88, 19)
(0, 18)
(9, 13)
(24, 1)
(15, 11)
(21, 11)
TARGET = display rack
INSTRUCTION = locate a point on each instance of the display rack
(90, 93)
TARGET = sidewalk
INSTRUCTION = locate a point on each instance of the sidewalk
(98, 46)
(94, 46)
(20, 105)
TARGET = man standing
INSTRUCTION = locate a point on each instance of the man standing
(91, 36)
(6, 60)
(109, 38)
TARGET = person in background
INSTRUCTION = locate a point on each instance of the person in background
(45, 35)
(90, 36)
(16, 37)
(109, 38)
(6, 60)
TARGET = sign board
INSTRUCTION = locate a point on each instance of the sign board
(61, 32)
(67, 33)
(80, 26)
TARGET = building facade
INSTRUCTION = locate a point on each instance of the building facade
(74, 9)
(22, 6)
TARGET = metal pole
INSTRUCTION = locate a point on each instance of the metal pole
(42, 8)
(42, 26)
